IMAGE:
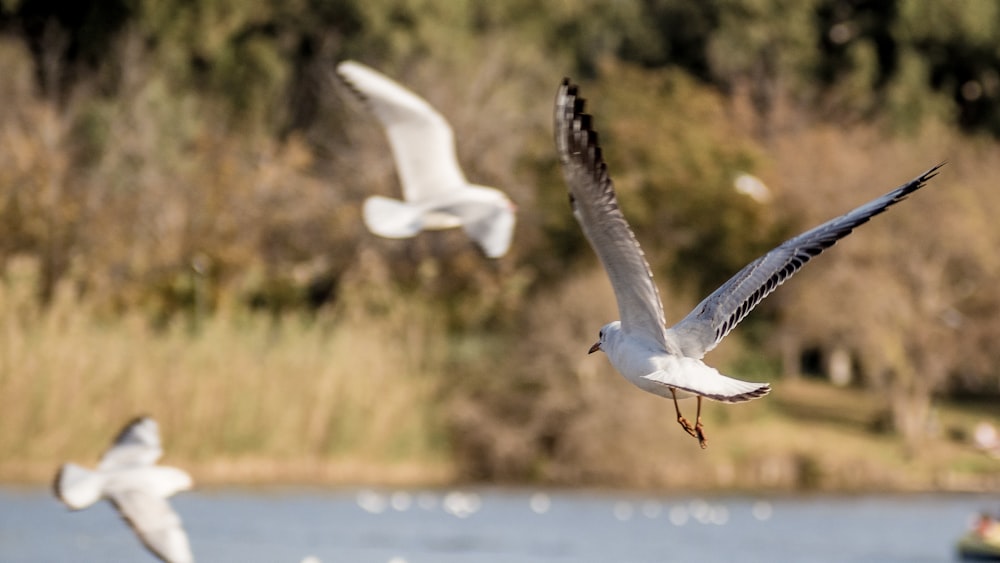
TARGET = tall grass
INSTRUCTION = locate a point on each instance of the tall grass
(353, 386)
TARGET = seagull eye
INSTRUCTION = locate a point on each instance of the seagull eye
(600, 335)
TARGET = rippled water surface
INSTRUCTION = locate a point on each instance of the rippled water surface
(495, 526)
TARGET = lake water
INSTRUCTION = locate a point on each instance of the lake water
(501, 525)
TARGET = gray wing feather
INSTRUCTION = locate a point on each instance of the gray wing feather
(721, 311)
(595, 206)
(156, 524)
(137, 444)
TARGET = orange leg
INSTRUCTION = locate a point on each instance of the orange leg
(699, 430)
(680, 419)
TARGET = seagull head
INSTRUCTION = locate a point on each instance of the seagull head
(605, 335)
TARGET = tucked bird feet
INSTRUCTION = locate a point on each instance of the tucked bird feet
(700, 431)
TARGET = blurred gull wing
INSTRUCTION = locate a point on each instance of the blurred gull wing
(493, 230)
(422, 141)
(595, 206)
(137, 444)
(156, 524)
(720, 312)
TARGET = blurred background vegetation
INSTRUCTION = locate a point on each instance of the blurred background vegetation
(180, 185)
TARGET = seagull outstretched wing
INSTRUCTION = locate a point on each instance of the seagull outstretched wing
(422, 141)
(156, 524)
(137, 444)
(720, 312)
(592, 195)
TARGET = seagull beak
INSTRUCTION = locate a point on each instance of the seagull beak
(595, 347)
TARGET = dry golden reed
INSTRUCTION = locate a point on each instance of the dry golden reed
(351, 385)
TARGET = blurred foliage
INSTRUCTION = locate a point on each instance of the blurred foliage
(172, 160)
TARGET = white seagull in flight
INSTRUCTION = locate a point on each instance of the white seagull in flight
(668, 361)
(436, 194)
(128, 477)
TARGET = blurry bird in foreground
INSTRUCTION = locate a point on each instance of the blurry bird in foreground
(127, 476)
(436, 194)
(667, 361)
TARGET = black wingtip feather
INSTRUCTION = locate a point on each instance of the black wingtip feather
(57, 483)
(919, 181)
(581, 138)
(128, 427)
(351, 87)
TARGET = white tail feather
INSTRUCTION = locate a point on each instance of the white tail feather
(78, 487)
(699, 379)
(391, 218)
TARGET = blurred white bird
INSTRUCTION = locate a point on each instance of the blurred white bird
(127, 476)
(753, 187)
(436, 194)
(667, 361)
